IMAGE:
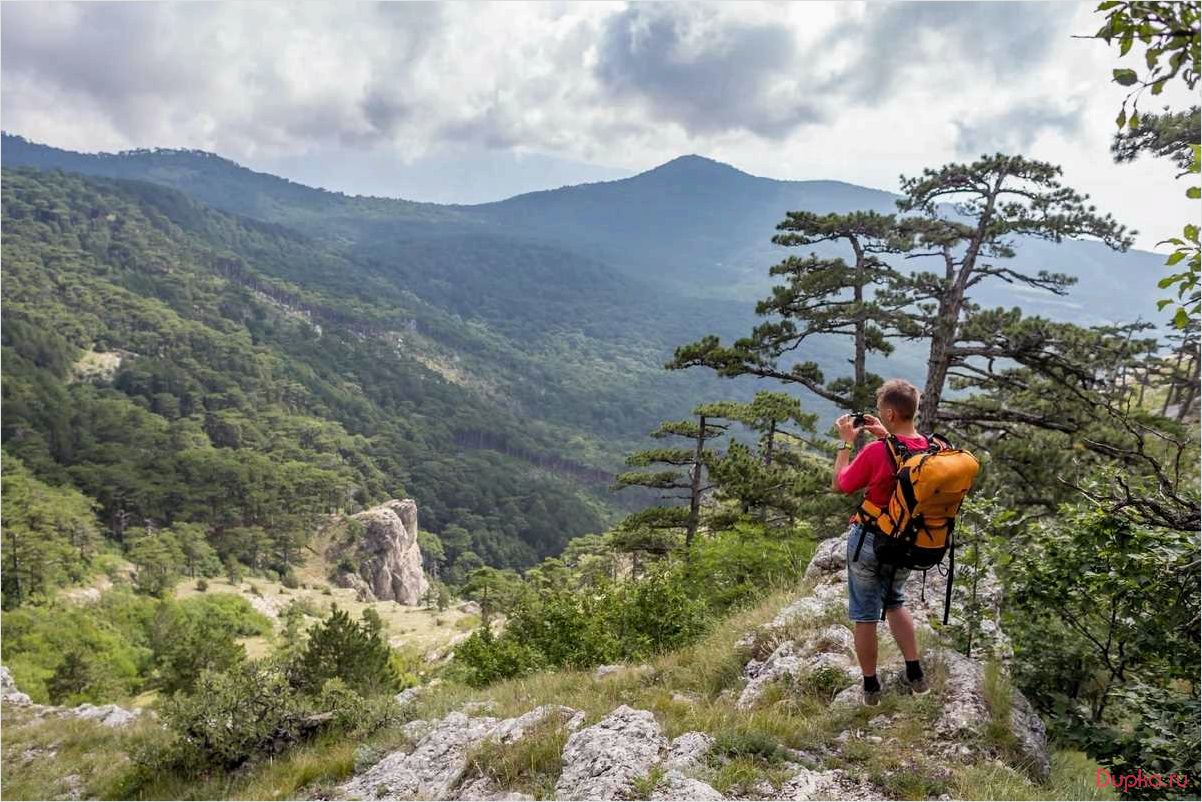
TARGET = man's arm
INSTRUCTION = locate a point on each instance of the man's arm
(847, 435)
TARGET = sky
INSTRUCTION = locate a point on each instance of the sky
(471, 102)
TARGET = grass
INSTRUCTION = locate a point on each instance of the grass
(59, 758)
(415, 627)
(1072, 777)
(643, 787)
(530, 765)
(742, 775)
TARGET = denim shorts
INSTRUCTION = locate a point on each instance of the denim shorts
(870, 584)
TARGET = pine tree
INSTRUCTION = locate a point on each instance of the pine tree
(683, 480)
(996, 199)
(820, 297)
(774, 478)
(355, 652)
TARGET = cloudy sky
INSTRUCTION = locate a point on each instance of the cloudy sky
(472, 102)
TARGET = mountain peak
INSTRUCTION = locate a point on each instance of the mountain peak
(693, 164)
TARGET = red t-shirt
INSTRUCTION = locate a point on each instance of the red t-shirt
(873, 470)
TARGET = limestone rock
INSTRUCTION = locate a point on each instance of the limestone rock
(9, 691)
(515, 729)
(409, 695)
(483, 790)
(833, 784)
(829, 556)
(835, 639)
(675, 785)
(363, 591)
(688, 750)
(431, 770)
(390, 560)
(788, 662)
(108, 715)
(417, 729)
(435, 767)
(615, 669)
(604, 760)
(965, 710)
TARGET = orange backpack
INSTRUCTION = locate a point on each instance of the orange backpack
(916, 528)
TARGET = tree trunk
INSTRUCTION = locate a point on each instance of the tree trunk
(950, 306)
(859, 391)
(768, 445)
(1191, 389)
(695, 490)
(937, 364)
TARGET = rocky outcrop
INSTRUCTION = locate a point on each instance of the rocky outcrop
(107, 715)
(388, 556)
(826, 576)
(9, 692)
(833, 784)
(435, 768)
(809, 649)
(675, 785)
(965, 709)
(604, 760)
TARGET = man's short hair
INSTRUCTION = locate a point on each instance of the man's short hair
(900, 395)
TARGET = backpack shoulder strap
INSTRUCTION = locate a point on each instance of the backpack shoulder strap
(897, 449)
(937, 442)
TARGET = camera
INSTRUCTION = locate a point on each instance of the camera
(858, 420)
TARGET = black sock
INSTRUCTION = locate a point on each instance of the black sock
(913, 670)
(872, 684)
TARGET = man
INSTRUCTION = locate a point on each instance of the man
(871, 586)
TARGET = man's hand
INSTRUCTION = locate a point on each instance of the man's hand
(873, 425)
(847, 432)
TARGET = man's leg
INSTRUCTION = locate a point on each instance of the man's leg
(902, 627)
(865, 640)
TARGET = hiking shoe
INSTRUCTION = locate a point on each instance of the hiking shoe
(872, 698)
(920, 686)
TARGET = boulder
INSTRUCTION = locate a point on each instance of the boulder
(789, 662)
(966, 710)
(363, 591)
(389, 558)
(409, 695)
(515, 729)
(615, 669)
(431, 771)
(688, 750)
(9, 691)
(436, 766)
(829, 556)
(604, 760)
(675, 785)
(108, 715)
(833, 784)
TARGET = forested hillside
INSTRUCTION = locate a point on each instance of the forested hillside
(156, 361)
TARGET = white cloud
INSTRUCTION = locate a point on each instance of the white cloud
(853, 91)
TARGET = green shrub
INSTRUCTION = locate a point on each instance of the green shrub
(483, 659)
(355, 652)
(290, 580)
(202, 584)
(232, 717)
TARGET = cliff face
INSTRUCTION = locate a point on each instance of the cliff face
(389, 559)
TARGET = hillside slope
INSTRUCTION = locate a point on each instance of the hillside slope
(232, 397)
(756, 710)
